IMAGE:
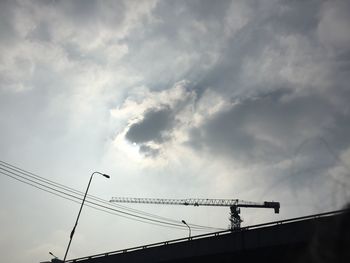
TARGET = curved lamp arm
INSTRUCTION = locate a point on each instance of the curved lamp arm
(184, 222)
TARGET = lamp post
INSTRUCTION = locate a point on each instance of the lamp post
(183, 221)
(81, 207)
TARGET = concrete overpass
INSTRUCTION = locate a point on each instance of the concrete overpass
(305, 239)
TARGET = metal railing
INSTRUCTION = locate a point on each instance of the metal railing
(214, 234)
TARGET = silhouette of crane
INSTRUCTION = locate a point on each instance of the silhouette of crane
(234, 204)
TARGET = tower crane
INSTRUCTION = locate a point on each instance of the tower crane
(234, 204)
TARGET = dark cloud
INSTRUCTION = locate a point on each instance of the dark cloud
(149, 151)
(153, 127)
(207, 13)
(277, 102)
(7, 22)
(290, 17)
(265, 128)
(269, 24)
(91, 14)
(186, 35)
(41, 32)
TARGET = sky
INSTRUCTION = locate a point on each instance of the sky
(173, 99)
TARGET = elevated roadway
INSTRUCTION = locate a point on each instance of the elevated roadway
(315, 238)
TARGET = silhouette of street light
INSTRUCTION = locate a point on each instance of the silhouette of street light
(183, 221)
(81, 207)
(55, 259)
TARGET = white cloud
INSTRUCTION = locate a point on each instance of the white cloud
(233, 95)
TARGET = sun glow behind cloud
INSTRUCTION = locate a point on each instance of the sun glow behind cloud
(224, 99)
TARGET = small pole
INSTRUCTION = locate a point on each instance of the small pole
(184, 222)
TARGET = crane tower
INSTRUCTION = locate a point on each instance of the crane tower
(234, 204)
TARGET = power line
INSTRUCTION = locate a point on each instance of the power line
(72, 200)
(62, 190)
(89, 202)
(69, 189)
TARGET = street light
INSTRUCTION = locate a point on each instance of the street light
(81, 207)
(183, 221)
(55, 259)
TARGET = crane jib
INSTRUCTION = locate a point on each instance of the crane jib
(234, 205)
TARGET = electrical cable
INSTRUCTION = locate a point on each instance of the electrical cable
(71, 190)
(93, 207)
(87, 201)
(66, 188)
(195, 227)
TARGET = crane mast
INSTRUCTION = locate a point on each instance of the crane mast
(234, 204)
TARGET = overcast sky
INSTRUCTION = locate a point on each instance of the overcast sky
(173, 99)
